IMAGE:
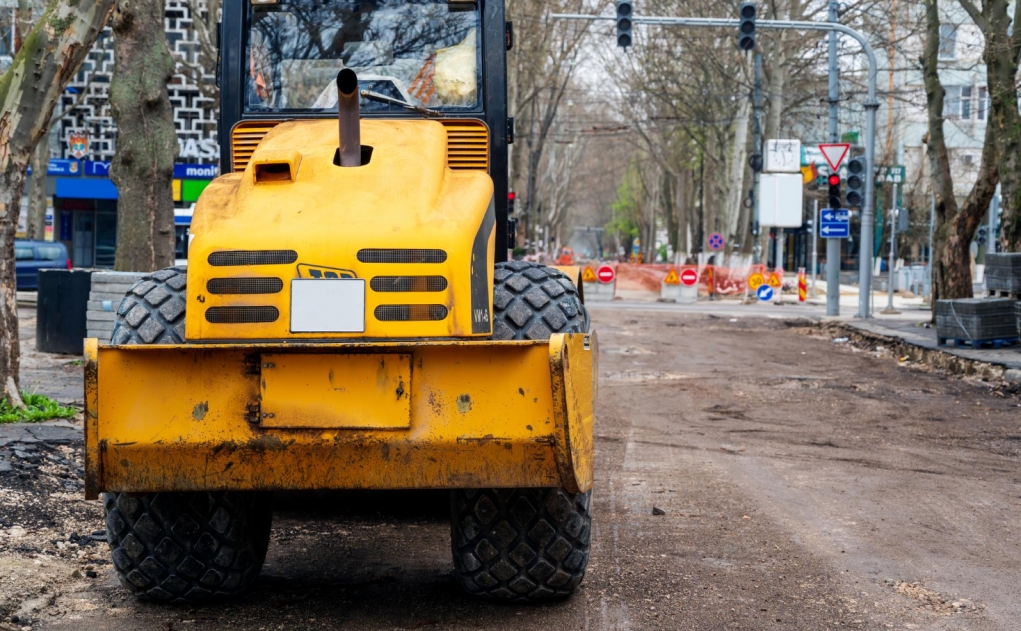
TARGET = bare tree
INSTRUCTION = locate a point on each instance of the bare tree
(955, 225)
(143, 167)
(43, 67)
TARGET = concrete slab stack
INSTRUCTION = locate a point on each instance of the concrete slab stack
(977, 322)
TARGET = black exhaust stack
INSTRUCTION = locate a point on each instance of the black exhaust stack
(350, 152)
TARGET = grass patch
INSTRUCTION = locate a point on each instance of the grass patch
(38, 407)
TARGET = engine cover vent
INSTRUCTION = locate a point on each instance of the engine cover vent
(241, 315)
(401, 256)
(408, 283)
(409, 313)
(229, 258)
(244, 285)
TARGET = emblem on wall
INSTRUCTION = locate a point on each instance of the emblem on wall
(78, 144)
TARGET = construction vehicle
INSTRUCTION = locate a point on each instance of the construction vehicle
(347, 318)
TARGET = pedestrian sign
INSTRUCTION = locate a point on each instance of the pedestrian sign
(756, 280)
(776, 280)
(588, 276)
(764, 293)
(672, 278)
(834, 223)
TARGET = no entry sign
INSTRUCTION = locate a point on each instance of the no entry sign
(689, 277)
(605, 274)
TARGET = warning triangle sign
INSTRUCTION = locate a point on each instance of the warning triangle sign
(775, 281)
(835, 154)
(672, 278)
(588, 276)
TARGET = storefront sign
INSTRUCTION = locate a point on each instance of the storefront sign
(206, 148)
(196, 171)
(99, 169)
(63, 167)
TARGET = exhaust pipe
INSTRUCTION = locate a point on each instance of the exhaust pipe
(350, 152)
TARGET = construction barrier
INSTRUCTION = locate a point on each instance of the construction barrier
(645, 282)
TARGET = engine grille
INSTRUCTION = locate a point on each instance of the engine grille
(244, 138)
(467, 145)
(252, 257)
(409, 313)
(408, 283)
(241, 315)
(401, 256)
(244, 285)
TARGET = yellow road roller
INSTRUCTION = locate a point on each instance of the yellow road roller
(348, 318)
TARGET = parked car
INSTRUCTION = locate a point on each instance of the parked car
(32, 256)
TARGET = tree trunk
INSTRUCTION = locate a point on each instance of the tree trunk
(45, 64)
(37, 190)
(955, 227)
(1001, 72)
(143, 167)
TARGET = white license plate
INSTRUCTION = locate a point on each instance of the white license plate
(328, 305)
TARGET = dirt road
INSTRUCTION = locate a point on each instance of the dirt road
(803, 484)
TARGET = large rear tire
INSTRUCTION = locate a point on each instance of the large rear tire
(180, 547)
(524, 544)
(187, 547)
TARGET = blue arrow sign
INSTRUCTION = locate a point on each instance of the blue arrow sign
(764, 293)
(834, 223)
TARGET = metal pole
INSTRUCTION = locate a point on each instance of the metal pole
(815, 245)
(757, 144)
(894, 211)
(833, 246)
(778, 262)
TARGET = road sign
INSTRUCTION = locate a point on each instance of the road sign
(835, 153)
(756, 280)
(588, 276)
(689, 277)
(775, 280)
(764, 293)
(834, 223)
(716, 241)
(672, 278)
(605, 274)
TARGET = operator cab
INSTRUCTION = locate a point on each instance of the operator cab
(414, 59)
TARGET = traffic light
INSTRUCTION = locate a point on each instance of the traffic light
(834, 182)
(510, 202)
(982, 235)
(624, 11)
(855, 182)
(746, 28)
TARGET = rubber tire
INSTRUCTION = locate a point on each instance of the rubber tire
(532, 302)
(187, 547)
(520, 544)
(180, 547)
(524, 544)
(153, 310)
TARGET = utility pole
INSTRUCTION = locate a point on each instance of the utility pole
(833, 245)
(757, 148)
(815, 246)
(894, 211)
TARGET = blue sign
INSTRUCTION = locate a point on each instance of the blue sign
(715, 241)
(63, 167)
(834, 223)
(195, 171)
(98, 169)
(764, 293)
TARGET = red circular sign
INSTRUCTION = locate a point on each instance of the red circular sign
(689, 277)
(605, 274)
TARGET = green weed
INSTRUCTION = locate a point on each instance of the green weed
(38, 407)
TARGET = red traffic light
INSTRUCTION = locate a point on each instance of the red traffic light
(510, 195)
(834, 179)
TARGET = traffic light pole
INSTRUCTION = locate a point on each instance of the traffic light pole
(833, 245)
(871, 105)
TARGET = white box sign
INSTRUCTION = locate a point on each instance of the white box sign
(780, 200)
(782, 156)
